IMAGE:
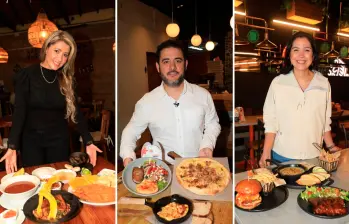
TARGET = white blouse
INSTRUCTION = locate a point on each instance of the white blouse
(297, 118)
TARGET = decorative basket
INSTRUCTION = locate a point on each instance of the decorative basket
(329, 166)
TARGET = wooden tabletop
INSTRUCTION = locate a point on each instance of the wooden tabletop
(88, 214)
(132, 214)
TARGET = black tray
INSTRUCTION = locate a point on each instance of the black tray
(308, 208)
(69, 198)
(274, 199)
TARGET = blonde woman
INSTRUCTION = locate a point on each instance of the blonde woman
(44, 103)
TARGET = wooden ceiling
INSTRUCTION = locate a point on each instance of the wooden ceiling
(15, 13)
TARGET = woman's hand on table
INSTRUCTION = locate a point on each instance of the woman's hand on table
(265, 156)
(205, 152)
(91, 151)
(10, 161)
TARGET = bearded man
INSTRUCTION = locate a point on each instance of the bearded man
(180, 115)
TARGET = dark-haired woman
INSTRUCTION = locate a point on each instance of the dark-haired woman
(297, 109)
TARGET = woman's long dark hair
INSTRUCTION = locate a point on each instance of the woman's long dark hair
(288, 65)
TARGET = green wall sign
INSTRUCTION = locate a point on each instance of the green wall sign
(253, 36)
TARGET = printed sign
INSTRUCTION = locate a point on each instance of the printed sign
(338, 70)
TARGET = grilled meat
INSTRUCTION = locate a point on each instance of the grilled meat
(137, 175)
(328, 206)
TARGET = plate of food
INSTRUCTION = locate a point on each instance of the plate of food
(202, 176)
(68, 207)
(96, 190)
(249, 196)
(324, 202)
(147, 176)
(315, 176)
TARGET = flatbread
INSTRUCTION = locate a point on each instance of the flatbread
(202, 176)
(147, 187)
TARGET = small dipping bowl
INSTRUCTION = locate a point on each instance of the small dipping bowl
(65, 175)
(13, 216)
(55, 186)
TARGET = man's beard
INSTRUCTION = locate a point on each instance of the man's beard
(174, 83)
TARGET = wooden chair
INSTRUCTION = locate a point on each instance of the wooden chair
(101, 137)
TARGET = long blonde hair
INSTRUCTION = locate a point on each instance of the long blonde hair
(66, 77)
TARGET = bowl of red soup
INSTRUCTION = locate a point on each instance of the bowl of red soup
(20, 187)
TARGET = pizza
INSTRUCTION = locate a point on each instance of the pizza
(202, 176)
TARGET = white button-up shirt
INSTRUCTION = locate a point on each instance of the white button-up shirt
(184, 129)
(298, 118)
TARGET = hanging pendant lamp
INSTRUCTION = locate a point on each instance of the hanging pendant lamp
(266, 44)
(196, 39)
(40, 30)
(209, 45)
(172, 29)
(3, 55)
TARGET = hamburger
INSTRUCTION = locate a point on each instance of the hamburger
(247, 196)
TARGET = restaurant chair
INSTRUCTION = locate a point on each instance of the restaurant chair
(101, 138)
(256, 146)
(344, 125)
(98, 107)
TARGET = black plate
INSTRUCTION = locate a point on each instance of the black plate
(32, 203)
(325, 183)
(278, 196)
(308, 208)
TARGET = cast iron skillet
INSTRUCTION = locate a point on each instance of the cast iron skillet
(156, 206)
(290, 179)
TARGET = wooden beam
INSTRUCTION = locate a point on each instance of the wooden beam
(7, 22)
(63, 11)
(17, 16)
(32, 14)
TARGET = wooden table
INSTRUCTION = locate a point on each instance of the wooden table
(137, 214)
(88, 214)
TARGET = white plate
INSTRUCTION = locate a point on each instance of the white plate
(20, 218)
(8, 176)
(70, 190)
(43, 171)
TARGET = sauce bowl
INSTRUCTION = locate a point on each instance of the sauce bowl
(24, 194)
